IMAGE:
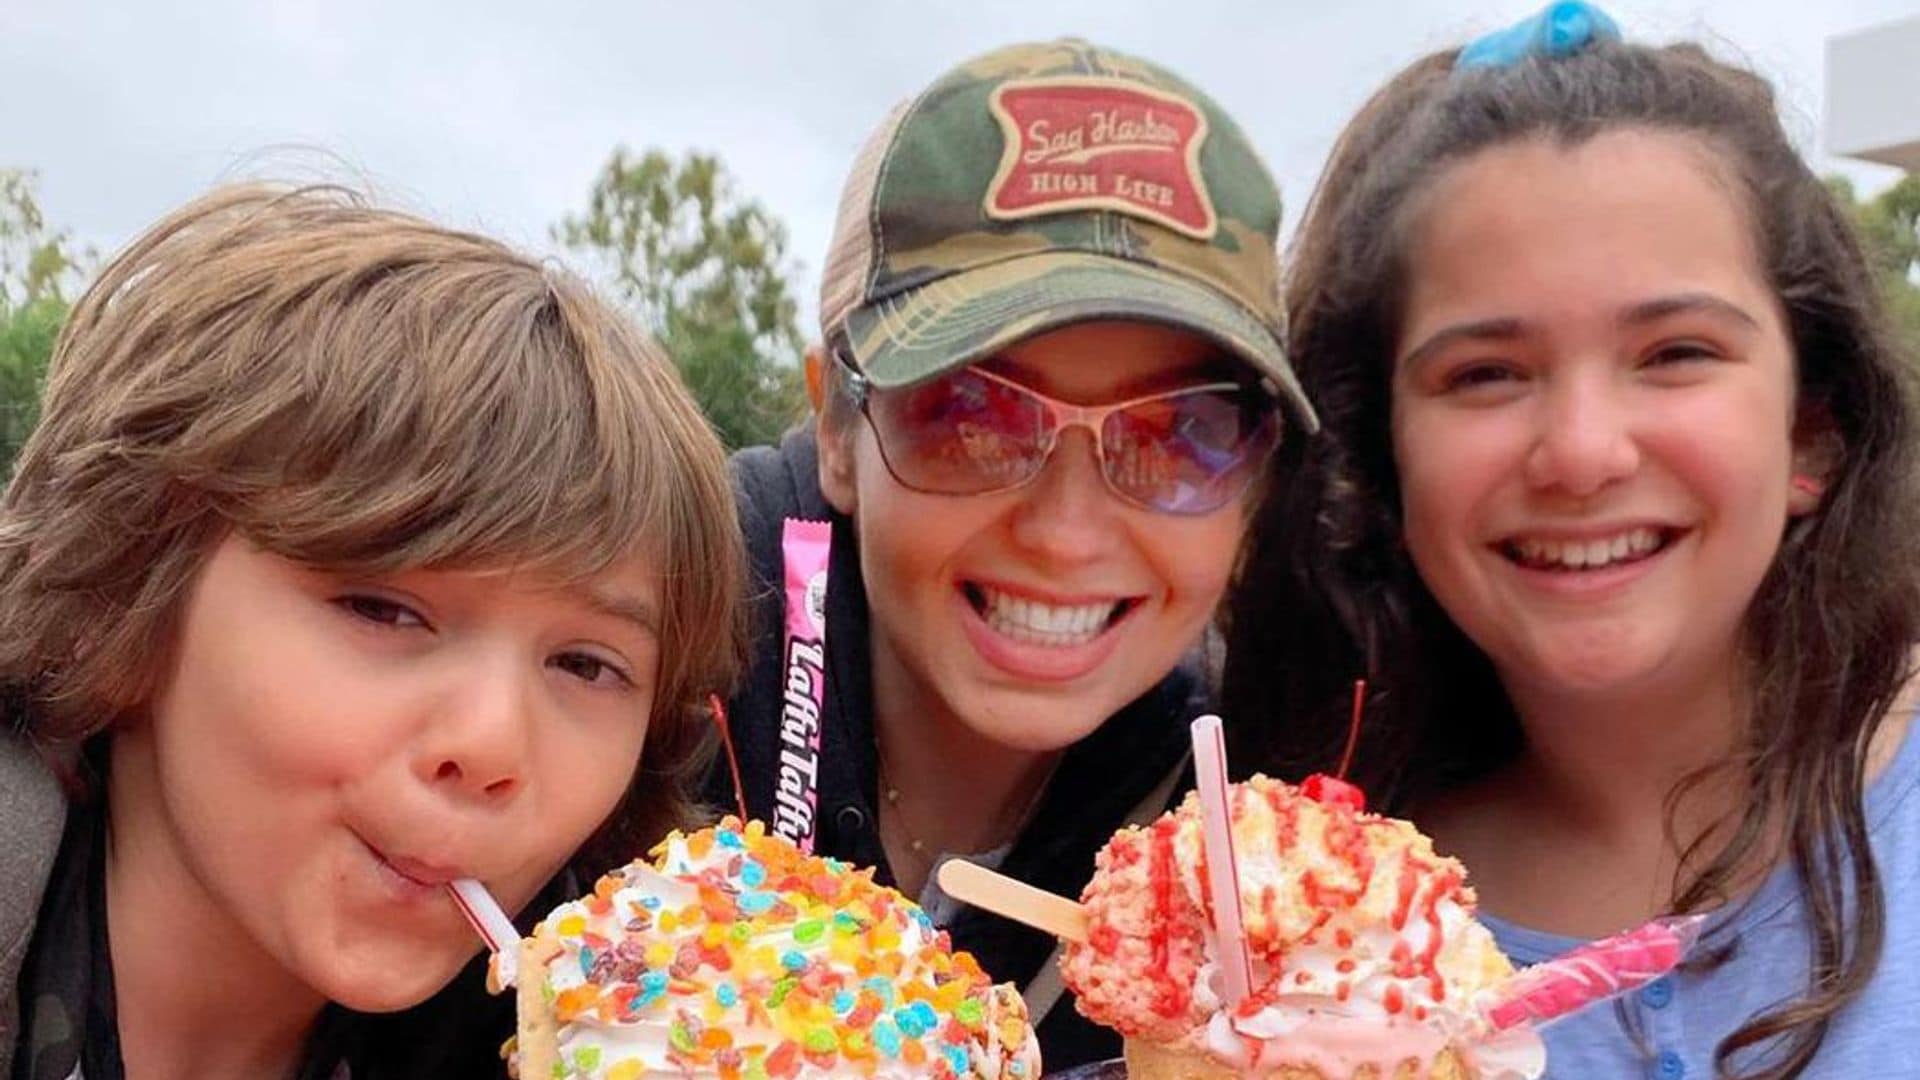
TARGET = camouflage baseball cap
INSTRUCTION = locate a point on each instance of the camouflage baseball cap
(1042, 185)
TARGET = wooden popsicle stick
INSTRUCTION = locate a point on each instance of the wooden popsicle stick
(1017, 900)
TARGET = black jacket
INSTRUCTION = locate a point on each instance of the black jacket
(1102, 778)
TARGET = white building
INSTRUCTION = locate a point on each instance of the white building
(1873, 94)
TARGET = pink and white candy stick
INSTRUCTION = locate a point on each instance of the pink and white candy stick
(488, 920)
(1223, 870)
(1592, 973)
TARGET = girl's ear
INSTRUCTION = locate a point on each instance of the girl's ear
(1817, 449)
(834, 433)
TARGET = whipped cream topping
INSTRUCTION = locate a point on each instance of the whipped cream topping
(1364, 945)
(736, 956)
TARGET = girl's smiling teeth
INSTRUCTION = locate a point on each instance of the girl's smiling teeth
(1594, 553)
(1035, 622)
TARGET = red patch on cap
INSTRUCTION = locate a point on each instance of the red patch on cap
(1078, 143)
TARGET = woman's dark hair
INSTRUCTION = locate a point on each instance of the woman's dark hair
(1329, 593)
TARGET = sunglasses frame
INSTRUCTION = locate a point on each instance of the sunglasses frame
(1062, 415)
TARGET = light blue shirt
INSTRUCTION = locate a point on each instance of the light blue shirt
(1668, 1030)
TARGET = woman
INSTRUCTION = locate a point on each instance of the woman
(1050, 374)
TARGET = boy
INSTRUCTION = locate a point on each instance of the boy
(351, 555)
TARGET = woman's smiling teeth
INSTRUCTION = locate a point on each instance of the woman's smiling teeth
(1033, 622)
(1598, 553)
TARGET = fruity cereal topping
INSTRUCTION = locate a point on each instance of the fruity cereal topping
(735, 955)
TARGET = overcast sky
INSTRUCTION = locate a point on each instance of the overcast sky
(496, 115)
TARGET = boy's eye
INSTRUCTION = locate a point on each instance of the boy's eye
(379, 609)
(590, 668)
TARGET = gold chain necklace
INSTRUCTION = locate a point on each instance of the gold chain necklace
(892, 794)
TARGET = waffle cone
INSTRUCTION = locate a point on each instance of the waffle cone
(537, 1041)
(1155, 1061)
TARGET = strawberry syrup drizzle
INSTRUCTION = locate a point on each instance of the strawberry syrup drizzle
(1170, 998)
(1286, 819)
(1403, 906)
(1441, 885)
(1346, 841)
(1445, 885)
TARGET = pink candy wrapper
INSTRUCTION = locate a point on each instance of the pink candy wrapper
(796, 799)
(1594, 972)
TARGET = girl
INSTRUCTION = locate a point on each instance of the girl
(350, 556)
(1617, 522)
(1048, 382)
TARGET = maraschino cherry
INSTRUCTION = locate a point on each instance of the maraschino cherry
(1335, 790)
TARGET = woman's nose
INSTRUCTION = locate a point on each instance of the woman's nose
(1065, 514)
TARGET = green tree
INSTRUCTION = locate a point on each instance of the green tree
(38, 269)
(1889, 225)
(706, 271)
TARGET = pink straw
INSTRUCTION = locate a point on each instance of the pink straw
(488, 920)
(1223, 870)
(1595, 972)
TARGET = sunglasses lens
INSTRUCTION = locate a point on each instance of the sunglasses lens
(1190, 452)
(960, 434)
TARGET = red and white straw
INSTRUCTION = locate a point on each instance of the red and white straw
(484, 913)
(1223, 869)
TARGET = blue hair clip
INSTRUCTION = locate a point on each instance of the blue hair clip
(1562, 29)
